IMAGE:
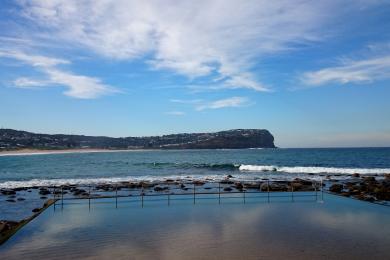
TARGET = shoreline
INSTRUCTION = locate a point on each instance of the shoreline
(64, 151)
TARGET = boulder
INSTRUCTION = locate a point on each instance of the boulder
(337, 188)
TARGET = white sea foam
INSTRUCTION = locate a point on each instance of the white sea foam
(314, 170)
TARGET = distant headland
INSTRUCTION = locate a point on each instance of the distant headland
(15, 140)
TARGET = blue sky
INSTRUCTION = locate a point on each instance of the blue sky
(314, 73)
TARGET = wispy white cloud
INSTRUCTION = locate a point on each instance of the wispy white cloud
(33, 60)
(24, 82)
(223, 103)
(221, 39)
(188, 101)
(78, 86)
(351, 71)
(175, 113)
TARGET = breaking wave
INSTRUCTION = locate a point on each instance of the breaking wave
(314, 170)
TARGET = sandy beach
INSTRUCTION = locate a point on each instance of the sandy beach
(64, 151)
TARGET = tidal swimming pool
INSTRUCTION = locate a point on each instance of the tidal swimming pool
(337, 228)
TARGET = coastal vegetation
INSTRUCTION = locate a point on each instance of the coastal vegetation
(233, 139)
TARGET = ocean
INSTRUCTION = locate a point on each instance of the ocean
(242, 164)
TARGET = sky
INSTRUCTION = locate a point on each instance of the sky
(314, 73)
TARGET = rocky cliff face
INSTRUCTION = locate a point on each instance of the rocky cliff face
(233, 139)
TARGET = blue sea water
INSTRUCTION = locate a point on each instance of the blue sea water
(244, 164)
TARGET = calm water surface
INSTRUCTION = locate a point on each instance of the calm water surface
(338, 228)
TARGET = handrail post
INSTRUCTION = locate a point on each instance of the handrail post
(292, 192)
(142, 195)
(194, 193)
(315, 188)
(54, 197)
(268, 189)
(244, 195)
(116, 196)
(169, 199)
(219, 192)
(322, 190)
(62, 197)
(89, 196)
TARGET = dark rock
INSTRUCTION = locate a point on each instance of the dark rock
(252, 185)
(11, 200)
(43, 198)
(239, 186)
(369, 179)
(337, 188)
(229, 176)
(199, 183)
(36, 210)
(6, 225)
(158, 188)
(44, 192)
(78, 192)
(21, 199)
(227, 189)
(8, 192)
(356, 175)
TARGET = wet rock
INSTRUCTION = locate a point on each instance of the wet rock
(239, 186)
(8, 192)
(274, 186)
(44, 192)
(78, 192)
(229, 176)
(147, 185)
(19, 189)
(199, 183)
(11, 200)
(252, 185)
(43, 198)
(6, 225)
(227, 189)
(369, 179)
(337, 188)
(158, 188)
(20, 199)
(356, 175)
(345, 194)
(226, 181)
(36, 210)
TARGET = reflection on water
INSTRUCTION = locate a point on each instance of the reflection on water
(339, 228)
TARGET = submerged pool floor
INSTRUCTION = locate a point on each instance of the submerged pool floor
(338, 228)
